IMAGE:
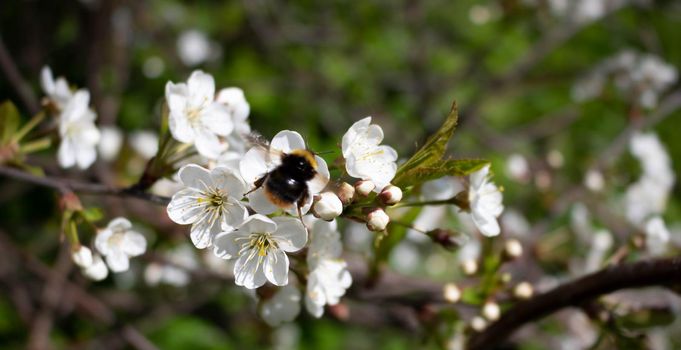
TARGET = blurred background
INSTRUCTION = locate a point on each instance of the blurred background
(550, 91)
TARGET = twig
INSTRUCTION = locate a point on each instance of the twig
(659, 272)
(66, 185)
(14, 77)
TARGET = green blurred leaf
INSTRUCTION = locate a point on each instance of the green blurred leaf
(646, 318)
(92, 214)
(9, 121)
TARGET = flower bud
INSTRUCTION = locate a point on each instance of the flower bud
(491, 311)
(82, 256)
(513, 249)
(469, 267)
(390, 195)
(345, 193)
(523, 290)
(451, 292)
(364, 187)
(327, 207)
(478, 324)
(377, 220)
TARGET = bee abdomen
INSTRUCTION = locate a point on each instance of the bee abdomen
(284, 191)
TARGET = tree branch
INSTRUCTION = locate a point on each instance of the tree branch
(659, 272)
(22, 89)
(67, 185)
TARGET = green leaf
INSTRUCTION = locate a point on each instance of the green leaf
(92, 214)
(9, 121)
(452, 167)
(432, 151)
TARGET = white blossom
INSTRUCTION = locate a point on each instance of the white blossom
(257, 162)
(485, 202)
(82, 256)
(144, 142)
(195, 117)
(110, 142)
(260, 245)
(365, 158)
(174, 270)
(282, 307)
(209, 202)
(329, 277)
(58, 90)
(79, 135)
(518, 168)
(118, 243)
(193, 47)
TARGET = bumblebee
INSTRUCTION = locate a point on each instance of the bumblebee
(287, 184)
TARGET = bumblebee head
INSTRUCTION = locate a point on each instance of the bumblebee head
(305, 156)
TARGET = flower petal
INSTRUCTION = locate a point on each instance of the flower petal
(319, 182)
(118, 261)
(260, 203)
(208, 144)
(196, 177)
(204, 230)
(216, 118)
(290, 233)
(258, 224)
(227, 244)
(286, 141)
(201, 87)
(253, 165)
(134, 243)
(66, 154)
(186, 207)
(276, 267)
(228, 181)
(248, 271)
(233, 215)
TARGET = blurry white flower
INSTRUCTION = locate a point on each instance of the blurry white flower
(260, 245)
(589, 87)
(326, 284)
(209, 202)
(451, 292)
(193, 47)
(282, 307)
(491, 311)
(235, 101)
(166, 187)
(523, 290)
(644, 198)
(195, 117)
(655, 160)
(329, 278)
(518, 168)
(79, 135)
(96, 271)
(478, 324)
(657, 236)
(364, 158)
(405, 257)
(144, 142)
(110, 142)
(485, 202)
(58, 90)
(479, 14)
(328, 206)
(258, 161)
(555, 159)
(515, 224)
(594, 180)
(118, 243)
(175, 270)
(580, 222)
(602, 242)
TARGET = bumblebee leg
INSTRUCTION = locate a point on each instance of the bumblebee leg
(258, 183)
(299, 205)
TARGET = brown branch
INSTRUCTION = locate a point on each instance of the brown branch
(659, 272)
(67, 185)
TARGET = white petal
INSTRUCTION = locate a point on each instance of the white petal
(286, 141)
(201, 87)
(119, 223)
(487, 224)
(229, 243)
(276, 267)
(208, 144)
(290, 233)
(259, 202)
(235, 100)
(233, 215)
(134, 243)
(258, 224)
(249, 272)
(351, 135)
(82, 257)
(102, 241)
(229, 182)
(216, 118)
(66, 154)
(195, 176)
(47, 80)
(97, 271)
(118, 261)
(185, 207)
(203, 231)
(319, 182)
(253, 165)
(85, 156)
(479, 177)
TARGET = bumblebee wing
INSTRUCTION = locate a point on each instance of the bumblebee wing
(321, 178)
